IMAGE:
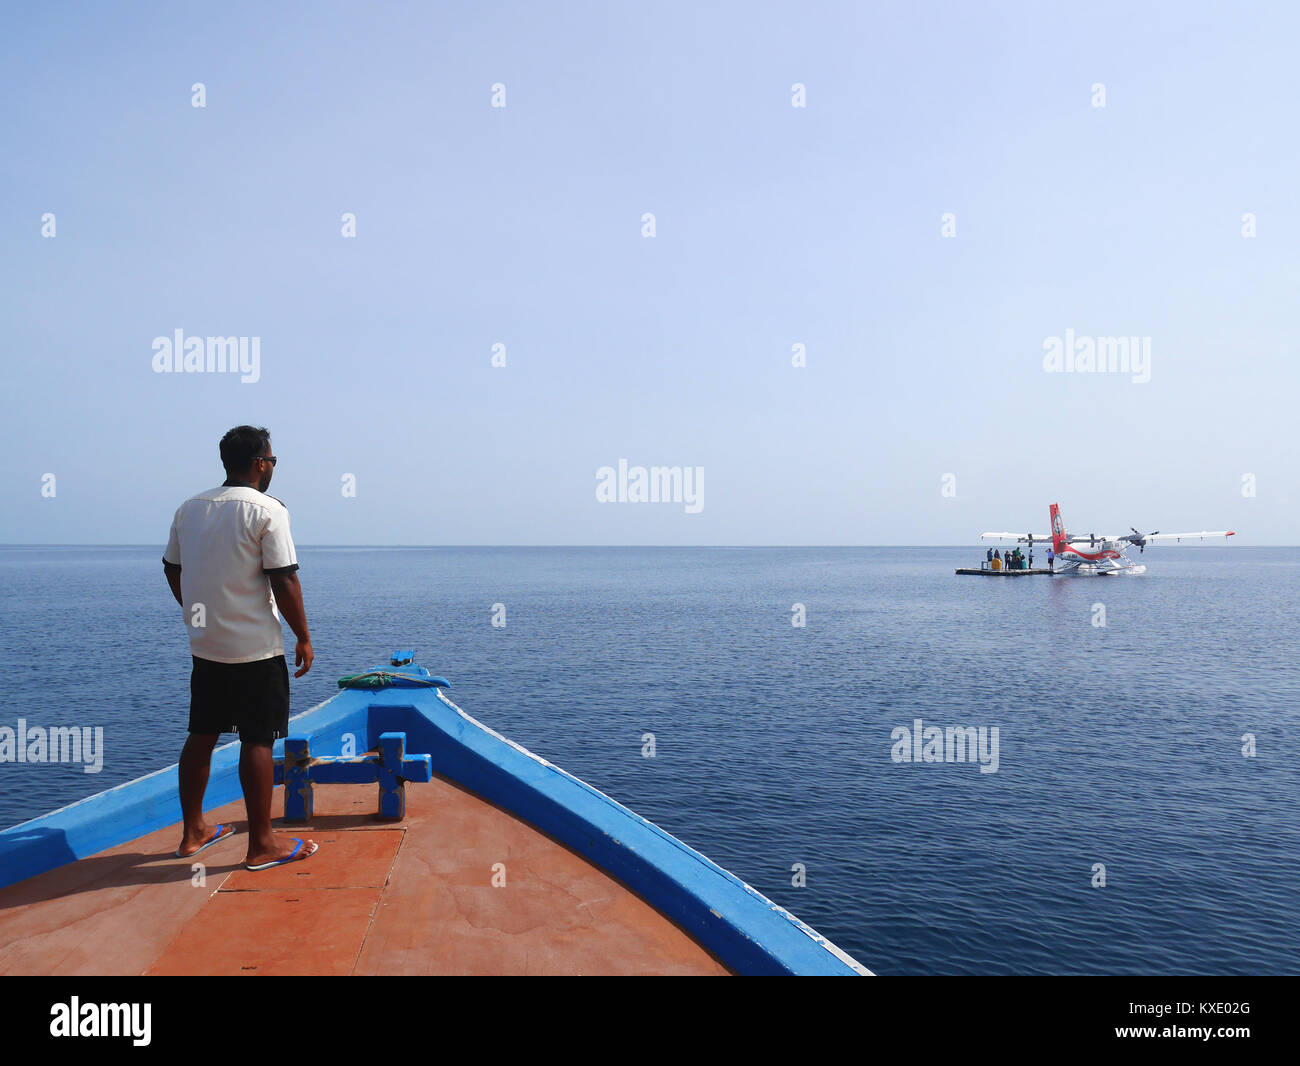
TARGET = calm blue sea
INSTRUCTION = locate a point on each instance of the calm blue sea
(1118, 744)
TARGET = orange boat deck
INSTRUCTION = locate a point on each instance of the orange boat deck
(408, 897)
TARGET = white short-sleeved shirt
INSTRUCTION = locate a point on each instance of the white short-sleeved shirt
(226, 541)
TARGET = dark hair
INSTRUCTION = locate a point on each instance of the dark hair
(241, 446)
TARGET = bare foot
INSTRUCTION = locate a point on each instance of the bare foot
(284, 848)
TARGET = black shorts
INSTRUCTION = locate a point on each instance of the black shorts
(251, 699)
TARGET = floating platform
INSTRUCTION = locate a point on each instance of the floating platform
(500, 863)
(984, 572)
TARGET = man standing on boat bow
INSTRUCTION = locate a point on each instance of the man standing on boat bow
(228, 553)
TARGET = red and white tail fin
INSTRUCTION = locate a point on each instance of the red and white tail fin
(1059, 542)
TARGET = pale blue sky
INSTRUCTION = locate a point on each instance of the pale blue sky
(775, 225)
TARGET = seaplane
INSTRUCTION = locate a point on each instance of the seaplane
(1098, 554)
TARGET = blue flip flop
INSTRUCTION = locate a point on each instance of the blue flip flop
(293, 856)
(218, 835)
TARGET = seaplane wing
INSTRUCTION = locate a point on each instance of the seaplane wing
(1190, 536)
(1046, 537)
(1141, 539)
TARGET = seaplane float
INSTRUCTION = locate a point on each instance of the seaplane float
(1097, 554)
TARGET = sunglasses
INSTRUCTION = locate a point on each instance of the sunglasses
(267, 459)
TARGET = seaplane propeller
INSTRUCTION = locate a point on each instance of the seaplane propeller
(1140, 539)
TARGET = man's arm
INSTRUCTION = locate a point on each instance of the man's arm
(288, 598)
(173, 574)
